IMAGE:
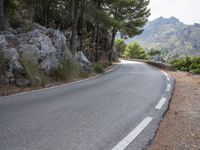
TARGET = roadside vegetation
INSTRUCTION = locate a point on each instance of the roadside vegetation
(98, 68)
(189, 64)
(135, 51)
(120, 46)
(66, 71)
(35, 75)
(3, 63)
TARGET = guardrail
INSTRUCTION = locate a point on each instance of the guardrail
(154, 63)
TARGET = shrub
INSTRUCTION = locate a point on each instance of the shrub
(3, 63)
(188, 64)
(153, 52)
(84, 74)
(106, 63)
(68, 69)
(135, 51)
(98, 68)
(33, 73)
(120, 46)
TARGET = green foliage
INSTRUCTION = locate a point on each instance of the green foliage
(120, 46)
(153, 52)
(98, 68)
(106, 64)
(3, 63)
(67, 70)
(84, 74)
(130, 15)
(189, 64)
(91, 21)
(33, 73)
(135, 51)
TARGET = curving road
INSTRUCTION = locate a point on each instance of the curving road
(119, 110)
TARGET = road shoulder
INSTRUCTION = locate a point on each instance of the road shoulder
(180, 128)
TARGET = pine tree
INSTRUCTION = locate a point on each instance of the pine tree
(130, 16)
(2, 19)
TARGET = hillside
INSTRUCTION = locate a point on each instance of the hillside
(171, 36)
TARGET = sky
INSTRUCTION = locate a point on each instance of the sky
(187, 11)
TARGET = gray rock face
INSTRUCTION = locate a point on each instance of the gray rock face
(13, 57)
(83, 61)
(3, 42)
(45, 47)
(12, 40)
(22, 82)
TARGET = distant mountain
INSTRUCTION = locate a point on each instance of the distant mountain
(171, 36)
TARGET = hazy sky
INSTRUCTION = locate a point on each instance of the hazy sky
(187, 11)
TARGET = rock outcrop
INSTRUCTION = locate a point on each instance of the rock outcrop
(83, 61)
(44, 47)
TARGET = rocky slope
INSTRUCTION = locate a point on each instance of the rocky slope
(46, 48)
(171, 36)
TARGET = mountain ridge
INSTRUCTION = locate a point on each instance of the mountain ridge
(171, 36)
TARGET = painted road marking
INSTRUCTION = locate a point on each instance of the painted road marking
(161, 103)
(168, 87)
(168, 79)
(165, 73)
(133, 134)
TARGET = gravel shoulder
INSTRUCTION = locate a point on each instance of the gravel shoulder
(180, 128)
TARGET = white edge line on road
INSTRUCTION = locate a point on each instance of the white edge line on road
(161, 103)
(165, 73)
(168, 87)
(133, 134)
(67, 84)
(168, 79)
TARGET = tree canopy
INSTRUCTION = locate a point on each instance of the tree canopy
(135, 51)
(93, 24)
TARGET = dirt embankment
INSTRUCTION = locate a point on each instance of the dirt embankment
(180, 129)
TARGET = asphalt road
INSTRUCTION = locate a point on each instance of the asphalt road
(91, 115)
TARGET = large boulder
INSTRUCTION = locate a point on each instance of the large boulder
(83, 61)
(47, 48)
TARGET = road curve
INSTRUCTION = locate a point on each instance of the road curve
(92, 115)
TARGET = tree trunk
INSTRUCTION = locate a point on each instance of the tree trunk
(97, 35)
(45, 13)
(82, 28)
(97, 42)
(2, 17)
(74, 13)
(114, 32)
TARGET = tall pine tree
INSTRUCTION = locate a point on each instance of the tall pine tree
(2, 17)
